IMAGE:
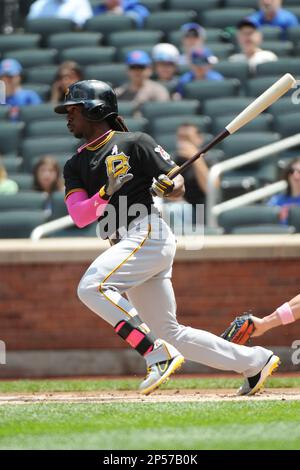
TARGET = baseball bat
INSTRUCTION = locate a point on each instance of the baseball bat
(272, 94)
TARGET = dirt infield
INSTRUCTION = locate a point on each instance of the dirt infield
(162, 396)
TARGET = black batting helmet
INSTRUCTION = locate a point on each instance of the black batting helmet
(98, 99)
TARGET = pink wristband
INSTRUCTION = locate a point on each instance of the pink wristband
(285, 314)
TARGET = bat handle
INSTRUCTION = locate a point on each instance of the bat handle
(202, 151)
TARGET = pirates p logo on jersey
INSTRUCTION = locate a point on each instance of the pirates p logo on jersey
(113, 160)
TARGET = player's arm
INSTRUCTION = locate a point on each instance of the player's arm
(158, 164)
(85, 210)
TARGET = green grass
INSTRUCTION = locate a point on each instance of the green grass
(235, 425)
(245, 424)
(91, 385)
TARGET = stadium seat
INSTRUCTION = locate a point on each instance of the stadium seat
(280, 48)
(196, 5)
(293, 34)
(137, 124)
(170, 123)
(55, 127)
(42, 89)
(239, 70)
(33, 57)
(271, 33)
(88, 55)
(288, 124)
(169, 20)
(66, 40)
(237, 3)
(263, 229)
(23, 180)
(221, 50)
(155, 109)
(223, 18)
(36, 147)
(59, 208)
(44, 74)
(47, 26)
(38, 112)
(294, 217)
(207, 89)
(12, 164)
(244, 142)
(10, 136)
(220, 106)
(213, 35)
(4, 112)
(154, 5)
(135, 38)
(282, 106)
(107, 24)
(167, 141)
(248, 215)
(116, 74)
(262, 123)
(20, 223)
(290, 3)
(256, 86)
(123, 51)
(30, 200)
(126, 108)
(11, 42)
(236, 184)
(280, 67)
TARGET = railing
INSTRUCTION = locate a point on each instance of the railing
(236, 162)
(51, 227)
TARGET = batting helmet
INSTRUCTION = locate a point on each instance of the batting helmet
(98, 99)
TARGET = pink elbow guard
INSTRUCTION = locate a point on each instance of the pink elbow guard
(285, 314)
(85, 210)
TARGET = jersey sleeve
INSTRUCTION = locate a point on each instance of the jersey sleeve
(153, 158)
(72, 179)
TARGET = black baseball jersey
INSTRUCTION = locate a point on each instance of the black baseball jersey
(143, 157)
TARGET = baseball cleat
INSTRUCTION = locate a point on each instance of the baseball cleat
(254, 384)
(159, 373)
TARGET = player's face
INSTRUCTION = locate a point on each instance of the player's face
(76, 121)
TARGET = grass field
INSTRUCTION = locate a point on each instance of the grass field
(246, 424)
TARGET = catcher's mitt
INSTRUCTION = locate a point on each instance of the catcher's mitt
(240, 330)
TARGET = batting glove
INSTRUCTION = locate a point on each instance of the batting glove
(115, 181)
(162, 186)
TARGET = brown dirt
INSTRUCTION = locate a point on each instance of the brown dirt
(161, 396)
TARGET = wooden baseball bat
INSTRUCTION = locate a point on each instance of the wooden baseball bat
(272, 94)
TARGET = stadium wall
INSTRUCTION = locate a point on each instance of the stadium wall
(48, 332)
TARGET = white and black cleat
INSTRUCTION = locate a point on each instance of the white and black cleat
(159, 373)
(254, 384)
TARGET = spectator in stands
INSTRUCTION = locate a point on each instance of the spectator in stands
(16, 96)
(79, 11)
(7, 186)
(250, 39)
(68, 72)
(201, 69)
(130, 8)
(193, 37)
(140, 88)
(47, 175)
(165, 58)
(292, 195)
(271, 14)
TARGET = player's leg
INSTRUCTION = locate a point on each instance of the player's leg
(156, 303)
(122, 266)
(283, 315)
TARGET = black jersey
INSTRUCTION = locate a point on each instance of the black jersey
(144, 158)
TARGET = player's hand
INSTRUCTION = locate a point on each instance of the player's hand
(115, 181)
(162, 186)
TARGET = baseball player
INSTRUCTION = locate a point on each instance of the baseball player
(113, 166)
(246, 326)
